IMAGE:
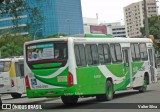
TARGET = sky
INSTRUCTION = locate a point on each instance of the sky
(108, 10)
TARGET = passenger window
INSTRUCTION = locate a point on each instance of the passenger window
(88, 54)
(77, 55)
(113, 54)
(101, 54)
(106, 53)
(95, 56)
(118, 53)
(19, 67)
(133, 52)
(143, 52)
(137, 51)
(82, 55)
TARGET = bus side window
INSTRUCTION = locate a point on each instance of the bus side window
(143, 51)
(118, 52)
(88, 54)
(77, 55)
(22, 69)
(107, 53)
(82, 55)
(18, 74)
(101, 53)
(95, 54)
(133, 52)
(19, 66)
(137, 51)
(113, 53)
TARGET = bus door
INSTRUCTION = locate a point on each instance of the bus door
(127, 67)
(151, 62)
(20, 78)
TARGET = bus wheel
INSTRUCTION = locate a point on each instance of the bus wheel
(69, 99)
(143, 88)
(16, 95)
(109, 93)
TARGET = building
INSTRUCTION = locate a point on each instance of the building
(134, 16)
(60, 16)
(87, 22)
(91, 26)
(116, 29)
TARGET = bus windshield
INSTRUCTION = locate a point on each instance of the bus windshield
(47, 55)
(5, 66)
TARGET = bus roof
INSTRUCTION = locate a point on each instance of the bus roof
(93, 35)
(114, 40)
(95, 39)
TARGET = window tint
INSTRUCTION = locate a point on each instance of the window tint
(143, 51)
(88, 54)
(5, 66)
(101, 54)
(135, 52)
(78, 61)
(82, 55)
(113, 54)
(106, 53)
(118, 52)
(48, 53)
(19, 66)
(95, 57)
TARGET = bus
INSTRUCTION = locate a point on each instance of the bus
(12, 79)
(76, 67)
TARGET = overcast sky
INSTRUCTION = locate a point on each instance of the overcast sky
(108, 10)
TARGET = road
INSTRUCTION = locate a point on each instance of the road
(90, 104)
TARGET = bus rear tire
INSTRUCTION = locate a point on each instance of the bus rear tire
(143, 88)
(16, 95)
(69, 99)
(109, 92)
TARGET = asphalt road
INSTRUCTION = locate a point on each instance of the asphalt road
(91, 105)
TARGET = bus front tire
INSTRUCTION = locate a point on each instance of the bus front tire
(109, 93)
(143, 88)
(16, 95)
(69, 99)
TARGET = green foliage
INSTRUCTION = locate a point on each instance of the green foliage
(154, 26)
(56, 35)
(12, 44)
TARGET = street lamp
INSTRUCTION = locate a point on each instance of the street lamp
(36, 33)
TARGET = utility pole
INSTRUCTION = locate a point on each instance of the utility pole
(146, 26)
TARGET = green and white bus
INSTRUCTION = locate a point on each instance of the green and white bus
(75, 67)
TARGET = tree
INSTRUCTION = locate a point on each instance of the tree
(16, 8)
(12, 45)
(154, 27)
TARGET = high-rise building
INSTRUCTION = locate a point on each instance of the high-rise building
(60, 16)
(134, 16)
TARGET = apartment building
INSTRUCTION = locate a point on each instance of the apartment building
(134, 17)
